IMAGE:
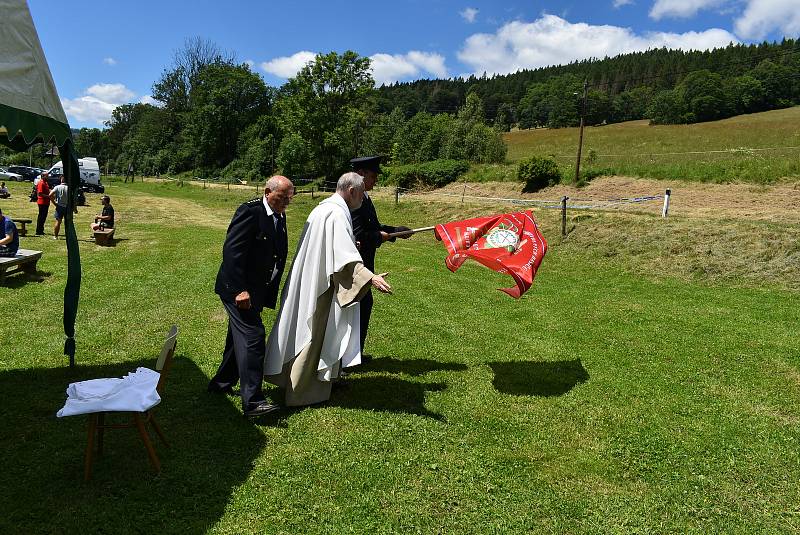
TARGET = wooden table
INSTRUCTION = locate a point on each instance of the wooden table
(22, 230)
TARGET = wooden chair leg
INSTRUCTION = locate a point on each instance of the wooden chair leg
(158, 430)
(87, 467)
(137, 417)
(101, 420)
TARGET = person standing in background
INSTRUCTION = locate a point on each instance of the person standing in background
(43, 202)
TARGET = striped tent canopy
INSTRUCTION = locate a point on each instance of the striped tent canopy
(31, 112)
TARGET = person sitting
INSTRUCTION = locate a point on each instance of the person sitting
(106, 218)
(9, 237)
(4, 193)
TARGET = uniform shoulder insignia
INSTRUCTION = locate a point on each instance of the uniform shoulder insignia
(254, 201)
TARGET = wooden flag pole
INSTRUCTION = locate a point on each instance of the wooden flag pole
(409, 232)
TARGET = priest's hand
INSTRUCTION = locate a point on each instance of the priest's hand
(243, 300)
(380, 284)
(403, 229)
(384, 236)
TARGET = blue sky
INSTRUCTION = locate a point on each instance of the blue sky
(103, 54)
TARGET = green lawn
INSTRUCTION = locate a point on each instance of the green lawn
(604, 401)
(690, 152)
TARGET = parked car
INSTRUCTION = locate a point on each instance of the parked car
(5, 174)
(28, 173)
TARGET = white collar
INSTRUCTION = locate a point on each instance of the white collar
(270, 212)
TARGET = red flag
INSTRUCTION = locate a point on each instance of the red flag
(507, 243)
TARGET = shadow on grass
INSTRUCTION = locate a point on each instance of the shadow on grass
(212, 452)
(20, 279)
(414, 367)
(388, 394)
(538, 378)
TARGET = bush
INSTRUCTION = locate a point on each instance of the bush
(538, 173)
(436, 173)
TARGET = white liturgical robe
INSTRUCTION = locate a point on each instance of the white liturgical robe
(317, 326)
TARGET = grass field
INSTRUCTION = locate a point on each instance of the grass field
(708, 152)
(609, 399)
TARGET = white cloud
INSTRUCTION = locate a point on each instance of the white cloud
(387, 68)
(619, 3)
(148, 99)
(551, 40)
(469, 14)
(761, 17)
(681, 8)
(110, 61)
(97, 103)
(288, 66)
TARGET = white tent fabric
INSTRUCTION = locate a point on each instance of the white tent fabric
(25, 80)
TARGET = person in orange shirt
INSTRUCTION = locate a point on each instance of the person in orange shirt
(43, 201)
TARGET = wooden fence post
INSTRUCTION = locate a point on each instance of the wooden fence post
(463, 193)
(312, 192)
(564, 216)
(665, 211)
(396, 195)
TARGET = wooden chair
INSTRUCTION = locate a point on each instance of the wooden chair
(139, 420)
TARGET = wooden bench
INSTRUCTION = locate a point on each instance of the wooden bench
(24, 261)
(22, 231)
(104, 236)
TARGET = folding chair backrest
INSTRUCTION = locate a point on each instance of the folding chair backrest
(165, 359)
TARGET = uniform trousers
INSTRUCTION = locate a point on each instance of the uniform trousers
(243, 357)
(366, 312)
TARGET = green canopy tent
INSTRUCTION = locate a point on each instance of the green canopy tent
(31, 112)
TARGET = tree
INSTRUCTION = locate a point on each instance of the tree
(504, 119)
(703, 97)
(745, 93)
(666, 108)
(92, 142)
(294, 156)
(174, 87)
(224, 101)
(320, 105)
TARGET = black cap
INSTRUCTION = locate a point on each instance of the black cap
(370, 163)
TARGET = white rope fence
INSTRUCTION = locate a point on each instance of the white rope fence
(561, 204)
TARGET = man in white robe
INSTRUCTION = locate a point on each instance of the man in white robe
(316, 332)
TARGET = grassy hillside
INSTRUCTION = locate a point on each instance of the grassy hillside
(709, 152)
(604, 401)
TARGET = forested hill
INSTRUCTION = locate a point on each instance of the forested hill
(655, 70)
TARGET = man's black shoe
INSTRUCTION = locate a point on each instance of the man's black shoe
(265, 407)
(366, 359)
(215, 389)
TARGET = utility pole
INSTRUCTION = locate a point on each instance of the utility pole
(580, 139)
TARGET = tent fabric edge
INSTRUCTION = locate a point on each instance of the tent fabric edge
(24, 128)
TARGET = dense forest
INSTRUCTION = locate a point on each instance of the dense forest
(218, 118)
(665, 86)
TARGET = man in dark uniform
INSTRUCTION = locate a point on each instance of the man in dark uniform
(253, 258)
(369, 233)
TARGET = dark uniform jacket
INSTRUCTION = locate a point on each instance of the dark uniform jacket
(367, 230)
(251, 251)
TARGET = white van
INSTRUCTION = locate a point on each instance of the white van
(90, 174)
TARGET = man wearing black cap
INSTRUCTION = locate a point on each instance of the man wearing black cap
(369, 233)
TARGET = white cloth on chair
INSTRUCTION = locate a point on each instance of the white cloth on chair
(136, 392)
